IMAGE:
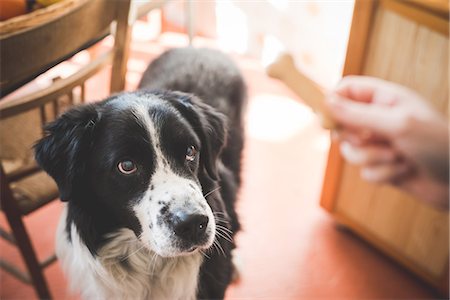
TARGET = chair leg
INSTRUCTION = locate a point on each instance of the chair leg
(29, 256)
(19, 231)
(121, 48)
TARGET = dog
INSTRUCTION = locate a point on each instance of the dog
(150, 179)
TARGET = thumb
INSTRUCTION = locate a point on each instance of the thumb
(378, 118)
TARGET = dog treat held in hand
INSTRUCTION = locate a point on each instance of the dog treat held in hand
(312, 94)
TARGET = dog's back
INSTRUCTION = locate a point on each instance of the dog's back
(212, 76)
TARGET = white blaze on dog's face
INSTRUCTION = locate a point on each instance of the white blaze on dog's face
(174, 216)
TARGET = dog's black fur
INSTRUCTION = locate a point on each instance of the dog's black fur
(81, 149)
(224, 90)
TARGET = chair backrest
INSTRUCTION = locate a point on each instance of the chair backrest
(26, 53)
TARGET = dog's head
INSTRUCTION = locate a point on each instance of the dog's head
(143, 161)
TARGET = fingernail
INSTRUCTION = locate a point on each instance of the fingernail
(348, 153)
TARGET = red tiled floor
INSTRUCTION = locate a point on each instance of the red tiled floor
(289, 247)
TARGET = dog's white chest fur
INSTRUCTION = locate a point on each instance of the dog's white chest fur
(124, 269)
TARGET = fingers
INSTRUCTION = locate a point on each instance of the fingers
(356, 87)
(369, 89)
(372, 104)
(385, 173)
(382, 120)
(380, 163)
(357, 137)
(367, 155)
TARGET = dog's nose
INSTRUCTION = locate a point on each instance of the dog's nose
(190, 227)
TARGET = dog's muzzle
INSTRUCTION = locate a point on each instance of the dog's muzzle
(190, 227)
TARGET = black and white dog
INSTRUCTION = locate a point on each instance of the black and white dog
(150, 179)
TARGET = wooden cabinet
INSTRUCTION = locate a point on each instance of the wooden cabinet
(405, 42)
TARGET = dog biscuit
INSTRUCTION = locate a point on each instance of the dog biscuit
(309, 91)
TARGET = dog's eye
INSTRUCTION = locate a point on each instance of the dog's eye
(191, 153)
(127, 167)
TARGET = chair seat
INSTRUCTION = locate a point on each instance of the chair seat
(34, 191)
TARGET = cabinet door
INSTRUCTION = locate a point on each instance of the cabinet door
(401, 49)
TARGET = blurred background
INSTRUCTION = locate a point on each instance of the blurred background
(311, 228)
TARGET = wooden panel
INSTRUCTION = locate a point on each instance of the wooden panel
(435, 17)
(440, 283)
(354, 62)
(360, 31)
(412, 55)
(438, 7)
(332, 178)
(406, 226)
(416, 235)
(417, 231)
(355, 196)
(391, 216)
(428, 241)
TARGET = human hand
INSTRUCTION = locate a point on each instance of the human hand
(394, 135)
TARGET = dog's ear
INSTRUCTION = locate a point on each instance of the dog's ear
(214, 134)
(209, 124)
(65, 142)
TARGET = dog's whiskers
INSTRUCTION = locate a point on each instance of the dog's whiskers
(212, 191)
(224, 236)
(128, 242)
(221, 216)
(218, 247)
(153, 262)
(220, 213)
(204, 254)
(229, 231)
(225, 230)
(131, 241)
(221, 220)
(133, 253)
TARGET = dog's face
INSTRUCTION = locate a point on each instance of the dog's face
(142, 161)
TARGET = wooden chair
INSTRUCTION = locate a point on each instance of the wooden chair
(68, 28)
